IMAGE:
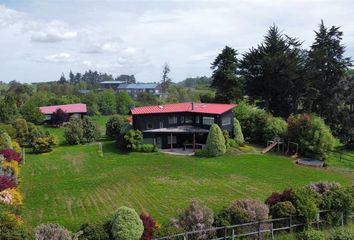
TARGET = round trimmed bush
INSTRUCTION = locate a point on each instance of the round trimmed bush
(282, 209)
(215, 145)
(127, 225)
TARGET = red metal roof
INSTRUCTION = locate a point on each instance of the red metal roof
(212, 108)
(68, 108)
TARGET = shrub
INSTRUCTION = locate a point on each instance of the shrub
(43, 144)
(146, 148)
(11, 229)
(253, 121)
(238, 135)
(6, 182)
(150, 226)
(242, 211)
(16, 146)
(323, 186)
(9, 129)
(282, 209)
(93, 232)
(196, 217)
(11, 154)
(10, 170)
(21, 131)
(276, 197)
(311, 234)
(126, 224)
(134, 138)
(13, 165)
(232, 143)
(304, 200)
(114, 125)
(275, 127)
(59, 117)
(90, 130)
(225, 133)
(11, 196)
(5, 140)
(341, 234)
(201, 152)
(215, 145)
(168, 230)
(52, 231)
(32, 113)
(312, 134)
(73, 132)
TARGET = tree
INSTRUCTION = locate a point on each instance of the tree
(31, 113)
(62, 79)
(327, 67)
(274, 73)
(114, 125)
(124, 103)
(59, 117)
(107, 102)
(90, 130)
(238, 135)
(146, 98)
(21, 131)
(228, 86)
(74, 132)
(166, 80)
(126, 78)
(150, 226)
(215, 145)
(126, 224)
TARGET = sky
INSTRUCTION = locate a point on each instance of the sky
(41, 39)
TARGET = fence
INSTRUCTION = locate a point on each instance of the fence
(342, 156)
(255, 230)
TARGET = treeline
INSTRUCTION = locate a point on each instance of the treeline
(282, 77)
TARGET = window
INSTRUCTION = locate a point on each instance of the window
(226, 121)
(197, 119)
(149, 125)
(161, 124)
(182, 119)
(174, 139)
(188, 119)
(172, 120)
(208, 120)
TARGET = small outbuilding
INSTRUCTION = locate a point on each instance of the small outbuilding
(77, 110)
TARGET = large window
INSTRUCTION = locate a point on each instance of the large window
(226, 121)
(172, 120)
(208, 120)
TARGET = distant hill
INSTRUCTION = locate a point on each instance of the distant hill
(196, 82)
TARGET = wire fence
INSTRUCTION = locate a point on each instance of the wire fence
(266, 229)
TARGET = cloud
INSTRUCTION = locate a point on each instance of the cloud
(62, 57)
(9, 17)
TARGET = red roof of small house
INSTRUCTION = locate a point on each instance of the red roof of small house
(68, 108)
(212, 108)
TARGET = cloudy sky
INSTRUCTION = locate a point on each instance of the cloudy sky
(41, 39)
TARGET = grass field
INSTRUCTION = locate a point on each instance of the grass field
(73, 184)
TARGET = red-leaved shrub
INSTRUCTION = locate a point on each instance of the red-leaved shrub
(6, 182)
(149, 226)
(279, 197)
(11, 154)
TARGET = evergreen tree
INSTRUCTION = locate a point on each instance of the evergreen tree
(228, 86)
(274, 73)
(71, 77)
(215, 145)
(327, 68)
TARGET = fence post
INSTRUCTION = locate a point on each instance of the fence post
(225, 233)
(342, 219)
(290, 223)
(272, 229)
(259, 230)
(233, 234)
(185, 237)
(318, 220)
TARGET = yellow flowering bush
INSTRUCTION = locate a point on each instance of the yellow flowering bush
(16, 146)
(12, 164)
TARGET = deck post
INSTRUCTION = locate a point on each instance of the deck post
(193, 141)
(171, 142)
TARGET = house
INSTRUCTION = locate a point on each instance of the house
(134, 89)
(77, 110)
(181, 124)
(110, 84)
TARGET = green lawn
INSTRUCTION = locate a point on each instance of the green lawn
(73, 184)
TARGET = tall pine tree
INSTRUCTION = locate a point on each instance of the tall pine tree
(228, 85)
(274, 73)
(327, 68)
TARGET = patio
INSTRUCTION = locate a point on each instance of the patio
(178, 151)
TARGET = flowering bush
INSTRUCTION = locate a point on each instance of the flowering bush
(52, 232)
(11, 196)
(150, 226)
(11, 154)
(16, 146)
(279, 197)
(6, 182)
(12, 165)
(323, 186)
(6, 197)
